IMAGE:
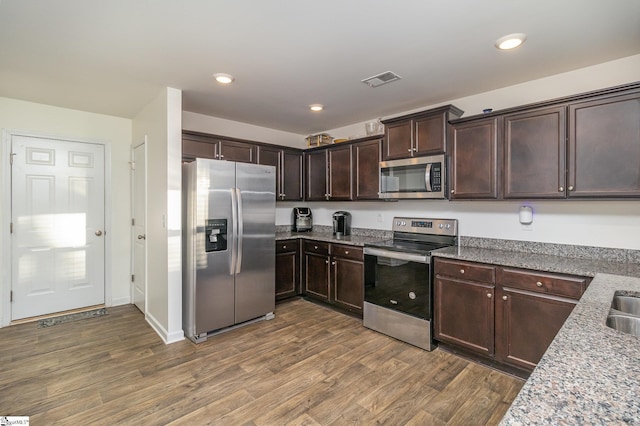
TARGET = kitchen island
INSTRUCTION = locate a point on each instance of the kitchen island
(590, 374)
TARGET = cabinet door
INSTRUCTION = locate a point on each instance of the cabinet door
(192, 149)
(430, 134)
(316, 175)
(367, 175)
(474, 150)
(534, 154)
(527, 323)
(348, 283)
(340, 173)
(291, 189)
(464, 314)
(270, 156)
(237, 151)
(398, 142)
(287, 269)
(316, 282)
(604, 147)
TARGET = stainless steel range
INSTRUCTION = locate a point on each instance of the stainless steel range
(398, 278)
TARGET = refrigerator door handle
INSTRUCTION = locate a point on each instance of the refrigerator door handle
(240, 231)
(234, 232)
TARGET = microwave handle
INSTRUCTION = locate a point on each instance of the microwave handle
(427, 177)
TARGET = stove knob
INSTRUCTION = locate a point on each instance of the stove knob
(448, 226)
(412, 295)
(404, 223)
(441, 226)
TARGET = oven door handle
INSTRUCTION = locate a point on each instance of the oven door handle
(411, 257)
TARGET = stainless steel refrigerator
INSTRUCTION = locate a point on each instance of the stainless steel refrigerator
(229, 245)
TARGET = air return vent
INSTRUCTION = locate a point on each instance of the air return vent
(380, 79)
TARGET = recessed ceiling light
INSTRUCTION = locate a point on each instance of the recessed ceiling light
(316, 107)
(510, 41)
(223, 78)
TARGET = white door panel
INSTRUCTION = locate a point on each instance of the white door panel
(57, 199)
(139, 227)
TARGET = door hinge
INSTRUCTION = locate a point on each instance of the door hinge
(11, 296)
(132, 165)
(11, 227)
(11, 158)
(133, 278)
(133, 222)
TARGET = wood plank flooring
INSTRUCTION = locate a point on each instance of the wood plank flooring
(308, 366)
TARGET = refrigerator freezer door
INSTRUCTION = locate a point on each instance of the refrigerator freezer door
(255, 271)
(214, 286)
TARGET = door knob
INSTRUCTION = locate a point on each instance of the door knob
(99, 233)
(142, 237)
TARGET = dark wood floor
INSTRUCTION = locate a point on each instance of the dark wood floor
(308, 366)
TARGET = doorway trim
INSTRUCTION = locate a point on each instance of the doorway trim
(133, 234)
(5, 204)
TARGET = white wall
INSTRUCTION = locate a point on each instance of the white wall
(219, 126)
(593, 223)
(160, 123)
(39, 119)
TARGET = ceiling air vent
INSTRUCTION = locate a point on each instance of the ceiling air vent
(380, 79)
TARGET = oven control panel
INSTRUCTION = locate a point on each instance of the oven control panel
(426, 226)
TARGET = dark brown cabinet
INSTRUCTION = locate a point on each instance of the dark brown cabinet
(287, 269)
(367, 170)
(534, 154)
(418, 134)
(334, 273)
(288, 164)
(329, 174)
(463, 305)
(504, 314)
(236, 151)
(200, 145)
(474, 152)
(604, 147)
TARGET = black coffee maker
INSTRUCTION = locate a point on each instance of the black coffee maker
(341, 224)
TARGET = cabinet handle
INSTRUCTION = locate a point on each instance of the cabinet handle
(315, 247)
(326, 261)
(284, 247)
(414, 149)
(462, 271)
(410, 150)
(333, 263)
(489, 295)
(453, 191)
(504, 297)
(570, 188)
(221, 156)
(346, 252)
(561, 189)
(539, 284)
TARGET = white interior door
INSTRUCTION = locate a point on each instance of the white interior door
(57, 213)
(139, 227)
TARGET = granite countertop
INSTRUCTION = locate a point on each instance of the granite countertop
(590, 374)
(358, 237)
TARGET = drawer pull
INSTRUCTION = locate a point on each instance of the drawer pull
(315, 247)
(333, 263)
(284, 247)
(539, 284)
(504, 297)
(346, 252)
(489, 295)
(326, 261)
(393, 302)
(462, 271)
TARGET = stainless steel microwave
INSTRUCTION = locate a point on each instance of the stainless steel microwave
(419, 177)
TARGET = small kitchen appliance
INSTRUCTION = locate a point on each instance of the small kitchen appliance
(398, 279)
(414, 178)
(341, 224)
(301, 219)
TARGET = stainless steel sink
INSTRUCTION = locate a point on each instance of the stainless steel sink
(627, 304)
(624, 323)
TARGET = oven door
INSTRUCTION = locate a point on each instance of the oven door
(398, 281)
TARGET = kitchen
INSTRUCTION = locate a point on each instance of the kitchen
(591, 223)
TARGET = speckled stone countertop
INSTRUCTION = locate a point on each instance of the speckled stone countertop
(590, 374)
(358, 237)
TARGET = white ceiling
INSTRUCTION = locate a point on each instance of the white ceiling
(113, 56)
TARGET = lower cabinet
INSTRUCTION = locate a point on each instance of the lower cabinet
(287, 269)
(504, 314)
(334, 273)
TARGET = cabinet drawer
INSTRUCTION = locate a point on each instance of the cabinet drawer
(316, 247)
(348, 252)
(286, 246)
(539, 282)
(465, 270)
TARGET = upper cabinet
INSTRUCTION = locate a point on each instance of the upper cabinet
(329, 173)
(474, 160)
(366, 185)
(201, 145)
(288, 164)
(604, 147)
(414, 135)
(584, 146)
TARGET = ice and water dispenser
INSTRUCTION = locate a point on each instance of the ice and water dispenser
(216, 235)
